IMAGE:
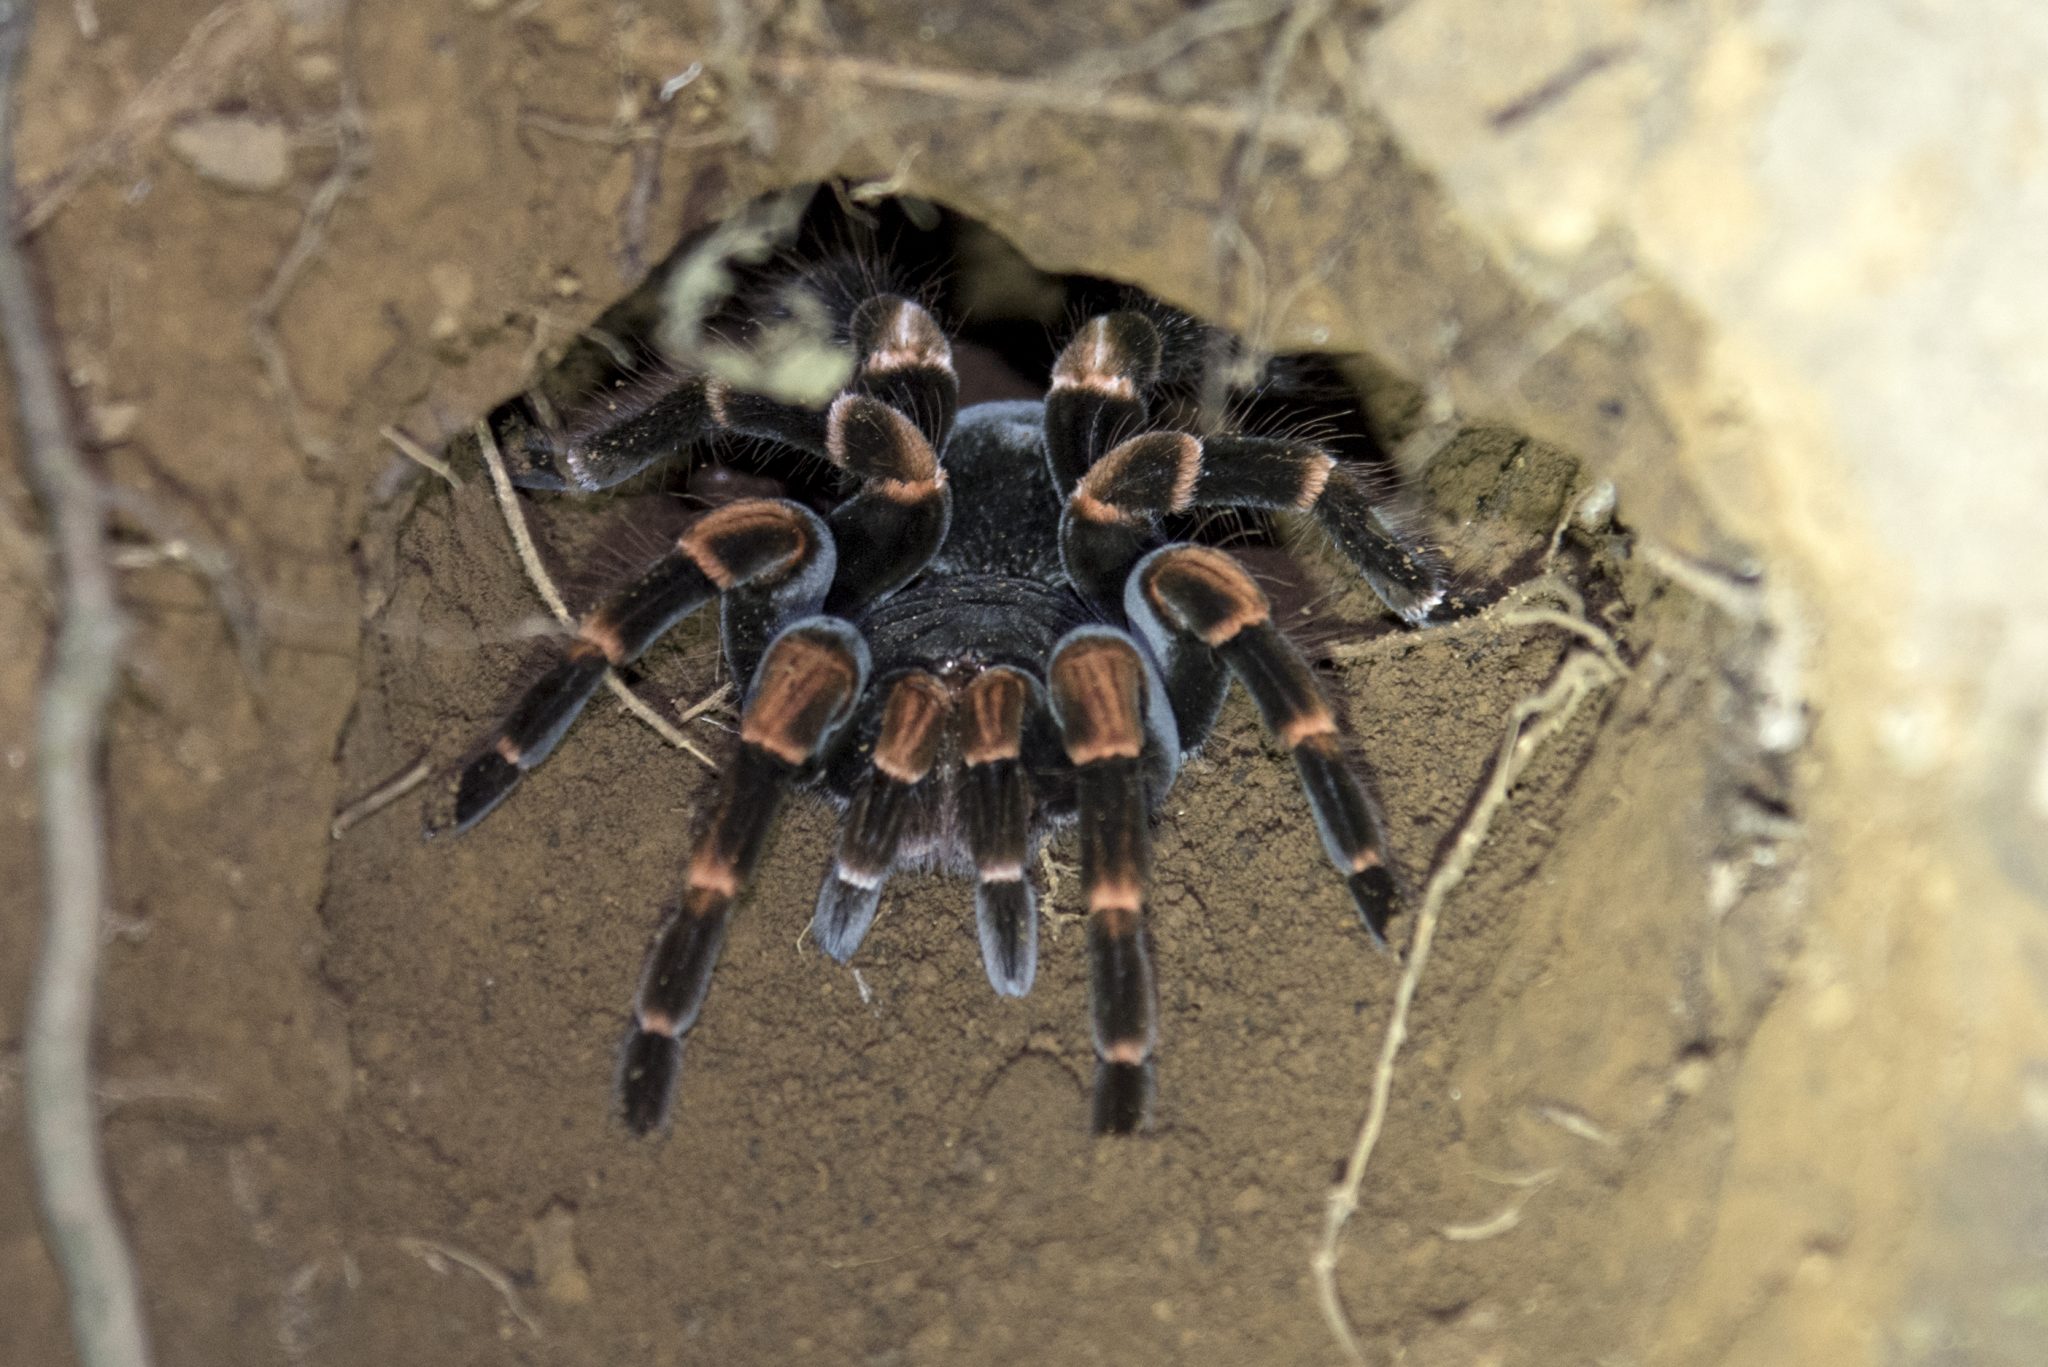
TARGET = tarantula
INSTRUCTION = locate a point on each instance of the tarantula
(986, 639)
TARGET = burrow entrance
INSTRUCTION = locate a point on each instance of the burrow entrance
(891, 1165)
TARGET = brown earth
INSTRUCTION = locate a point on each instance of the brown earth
(357, 1091)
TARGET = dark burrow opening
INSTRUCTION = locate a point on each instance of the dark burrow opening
(738, 297)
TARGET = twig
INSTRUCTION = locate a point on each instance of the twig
(715, 699)
(178, 540)
(203, 66)
(1509, 1216)
(63, 1125)
(1576, 1124)
(1564, 621)
(1511, 611)
(544, 585)
(352, 159)
(420, 455)
(378, 798)
(1317, 137)
(1531, 723)
(1165, 44)
(437, 1256)
(1303, 16)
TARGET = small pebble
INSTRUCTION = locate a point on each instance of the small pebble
(238, 152)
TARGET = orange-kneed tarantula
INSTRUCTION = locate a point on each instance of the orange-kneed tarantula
(987, 637)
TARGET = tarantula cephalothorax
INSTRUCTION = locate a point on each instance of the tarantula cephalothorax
(986, 639)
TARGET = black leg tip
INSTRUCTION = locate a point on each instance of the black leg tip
(529, 455)
(484, 782)
(648, 1068)
(1373, 891)
(1007, 914)
(1123, 1097)
(845, 913)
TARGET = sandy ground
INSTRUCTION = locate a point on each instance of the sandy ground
(357, 1090)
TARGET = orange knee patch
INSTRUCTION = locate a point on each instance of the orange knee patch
(992, 717)
(911, 718)
(733, 526)
(1099, 684)
(1207, 593)
(803, 686)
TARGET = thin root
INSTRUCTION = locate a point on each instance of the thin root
(1509, 1216)
(178, 540)
(378, 798)
(437, 1257)
(67, 1163)
(1515, 610)
(352, 159)
(1318, 137)
(1486, 1229)
(1531, 723)
(1740, 598)
(420, 455)
(1577, 1124)
(1056, 873)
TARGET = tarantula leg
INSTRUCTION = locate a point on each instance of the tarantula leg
(1116, 505)
(896, 522)
(1099, 386)
(907, 363)
(913, 718)
(646, 422)
(742, 544)
(1404, 569)
(1098, 688)
(1208, 601)
(995, 810)
(805, 689)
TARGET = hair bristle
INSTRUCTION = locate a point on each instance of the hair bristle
(628, 395)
